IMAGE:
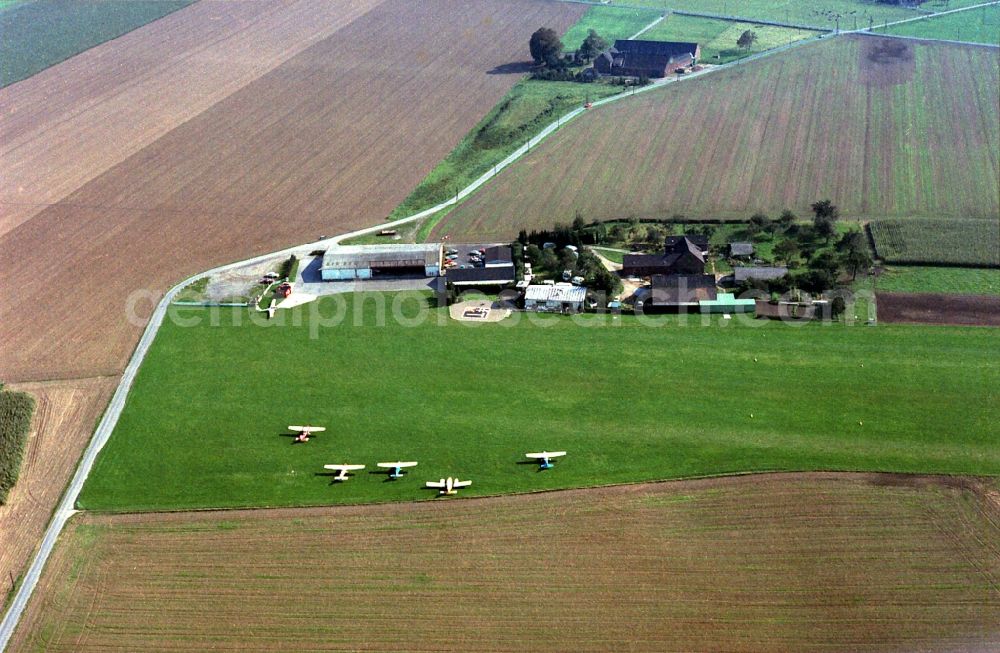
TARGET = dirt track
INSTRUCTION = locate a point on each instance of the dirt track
(65, 414)
(932, 308)
(803, 562)
(332, 138)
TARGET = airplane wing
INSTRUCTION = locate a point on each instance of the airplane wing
(545, 454)
(341, 468)
(395, 465)
(461, 484)
(440, 483)
(307, 429)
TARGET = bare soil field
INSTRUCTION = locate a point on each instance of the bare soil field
(938, 308)
(70, 123)
(900, 129)
(816, 562)
(333, 138)
(65, 415)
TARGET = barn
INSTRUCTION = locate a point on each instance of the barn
(654, 59)
(374, 261)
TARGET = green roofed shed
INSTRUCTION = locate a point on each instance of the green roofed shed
(726, 303)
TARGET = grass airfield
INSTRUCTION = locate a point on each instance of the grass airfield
(630, 399)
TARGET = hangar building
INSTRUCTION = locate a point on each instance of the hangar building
(347, 262)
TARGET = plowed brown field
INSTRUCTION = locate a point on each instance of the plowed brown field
(65, 415)
(332, 138)
(68, 124)
(816, 562)
(939, 308)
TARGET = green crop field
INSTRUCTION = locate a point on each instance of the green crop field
(870, 123)
(954, 242)
(951, 280)
(16, 409)
(718, 37)
(981, 25)
(611, 23)
(630, 399)
(852, 14)
(37, 35)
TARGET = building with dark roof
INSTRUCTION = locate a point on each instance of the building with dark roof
(675, 290)
(682, 257)
(495, 275)
(498, 255)
(655, 59)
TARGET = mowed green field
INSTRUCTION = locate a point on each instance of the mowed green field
(37, 35)
(873, 124)
(610, 22)
(949, 242)
(924, 279)
(630, 401)
(981, 25)
(718, 37)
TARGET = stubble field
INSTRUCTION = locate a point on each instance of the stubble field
(65, 415)
(332, 138)
(785, 562)
(882, 128)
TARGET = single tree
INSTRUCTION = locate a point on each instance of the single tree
(746, 40)
(786, 250)
(825, 214)
(592, 46)
(545, 45)
(786, 220)
(759, 222)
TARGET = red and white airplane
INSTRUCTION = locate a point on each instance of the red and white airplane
(448, 485)
(305, 432)
(342, 470)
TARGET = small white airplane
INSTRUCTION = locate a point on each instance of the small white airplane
(342, 470)
(397, 468)
(545, 458)
(448, 485)
(304, 432)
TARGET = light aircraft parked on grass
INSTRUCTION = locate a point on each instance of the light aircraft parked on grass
(397, 468)
(545, 458)
(448, 485)
(305, 432)
(342, 470)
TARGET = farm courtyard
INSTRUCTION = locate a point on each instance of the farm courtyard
(884, 128)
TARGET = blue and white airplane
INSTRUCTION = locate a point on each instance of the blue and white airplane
(397, 468)
(545, 458)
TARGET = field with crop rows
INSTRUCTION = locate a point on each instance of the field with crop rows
(980, 25)
(718, 37)
(866, 122)
(784, 562)
(823, 14)
(950, 242)
(37, 35)
(329, 139)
